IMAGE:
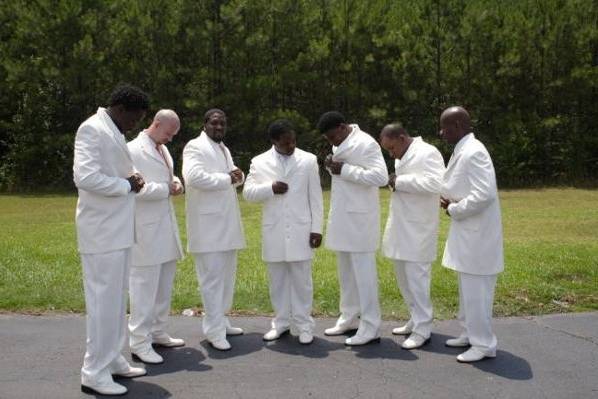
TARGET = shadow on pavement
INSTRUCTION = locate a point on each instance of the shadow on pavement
(177, 359)
(506, 365)
(241, 345)
(289, 345)
(386, 349)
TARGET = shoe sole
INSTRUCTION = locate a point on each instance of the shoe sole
(427, 341)
(479, 360)
(346, 332)
(235, 334)
(456, 346)
(403, 333)
(155, 344)
(371, 341)
(91, 391)
(285, 332)
(135, 357)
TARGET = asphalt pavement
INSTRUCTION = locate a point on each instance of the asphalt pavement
(554, 356)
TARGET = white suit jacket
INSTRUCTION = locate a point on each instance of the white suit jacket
(411, 232)
(354, 217)
(106, 205)
(289, 218)
(474, 244)
(213, 215)
(156, 229)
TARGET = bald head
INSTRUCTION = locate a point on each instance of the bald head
(455, 123)
(164, 127)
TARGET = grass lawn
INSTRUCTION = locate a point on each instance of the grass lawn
(551, 256)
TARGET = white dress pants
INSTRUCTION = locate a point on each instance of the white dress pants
(216, 275)
(105, 281)
(476, 296)
(414, 282)
(291, 293)
(358, 280)
(150, 290)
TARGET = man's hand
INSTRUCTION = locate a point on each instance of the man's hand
(334, 167)
(236, 176)
(136, 182)
(176, 188)
(315, 240)
(279, 187)
(392, 178)
(444, 203)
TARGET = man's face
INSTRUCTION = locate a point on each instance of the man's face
(129, 119)
(449, 130)
(396, 147)
(337, 135)
(286, 143)
(166, 130)
(215, 127)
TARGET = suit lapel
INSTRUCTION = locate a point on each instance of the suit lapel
(114, 133)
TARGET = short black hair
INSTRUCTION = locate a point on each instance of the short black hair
(330, 120)
(211, 112)
(279, 127)
(130, 97)
(394, 130)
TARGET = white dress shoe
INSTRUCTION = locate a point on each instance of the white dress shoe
(220, 344)
(111, 388)
(474, 355)
(274, 334)
(148, 356)
(234, 331)
(130, 372)
(414, 341)
(358, 341)
(336, 330)
(403, 330)
(459, 342)
(306, 338)
(168, 342)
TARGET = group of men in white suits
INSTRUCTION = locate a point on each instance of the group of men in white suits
(129, 240)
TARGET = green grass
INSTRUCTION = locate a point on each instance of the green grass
(551, 256)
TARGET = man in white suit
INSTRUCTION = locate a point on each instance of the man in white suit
(214, 229)
(358, 170)
(158, 245)
(287, 181)
(411, 232)
(104, 175)
(474, 247)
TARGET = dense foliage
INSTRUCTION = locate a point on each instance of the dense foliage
(526, 69)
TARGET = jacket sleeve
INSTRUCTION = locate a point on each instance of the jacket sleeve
(482, 180)
(87, 169)
(429, 181)
(195, 174)
(255, 190)
(374, 173)
(316, 203)
(153, 191)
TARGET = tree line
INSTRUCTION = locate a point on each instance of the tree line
(527, 70)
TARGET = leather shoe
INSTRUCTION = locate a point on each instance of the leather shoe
(112, 389)
(274, 334)
(414, 341)
(459, 342)
(403, 330)
(220, 344)
(358, 341)
(168, 342)
(234, 331)
(147, 356)
(130, 372)
(474, 355)
(336, 330)
(306, 338)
